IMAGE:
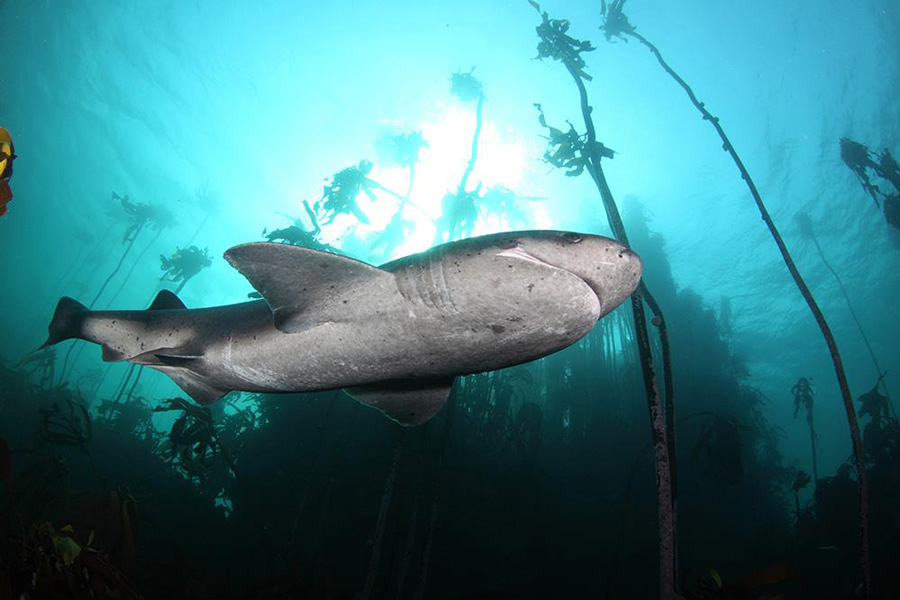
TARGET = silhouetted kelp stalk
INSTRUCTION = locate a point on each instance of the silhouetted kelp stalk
(381, 524)
(134, 266)
(436, 481)
(800, 482)
(43, 363)
(805, 227)
(208, 201)
(409, 546)
(584, 153)
(616, 25)
(404, 151)
(140, 215)
(75, 265)
(308, 476)
(803, 399)
(459, 211)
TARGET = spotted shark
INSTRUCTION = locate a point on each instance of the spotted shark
(394, 337)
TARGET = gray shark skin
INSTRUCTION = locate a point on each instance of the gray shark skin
(394, 337)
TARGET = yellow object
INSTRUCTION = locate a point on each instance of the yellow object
(7, 154)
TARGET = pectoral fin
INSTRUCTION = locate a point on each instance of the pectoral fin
(194, 385)
(184, 366)
(406, 401)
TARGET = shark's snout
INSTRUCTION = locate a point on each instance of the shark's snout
(611, 270)
(617, 277)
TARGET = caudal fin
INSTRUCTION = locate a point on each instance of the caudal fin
(67, 321)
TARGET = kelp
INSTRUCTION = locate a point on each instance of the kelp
(193, 442)
(402, 150)
(720, 447)
(860, 160)
(568, 150)
(556, 44)
(617, 26)
(803, 400)
(68, 425)
(139, 215)
(459, 208)
(807, 232)
(184, 264)
(51, 563)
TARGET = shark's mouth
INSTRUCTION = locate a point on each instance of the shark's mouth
(518, 252)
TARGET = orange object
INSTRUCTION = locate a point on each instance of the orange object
(5, 196)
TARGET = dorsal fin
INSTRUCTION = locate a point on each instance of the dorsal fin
(166, 300)
(306, 287)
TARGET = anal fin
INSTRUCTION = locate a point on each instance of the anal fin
(406, 401)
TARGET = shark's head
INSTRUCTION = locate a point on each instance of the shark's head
(610, 269)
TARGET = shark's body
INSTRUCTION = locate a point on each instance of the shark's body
(396, 336)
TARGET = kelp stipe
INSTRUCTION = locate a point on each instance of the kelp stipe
(805, 228)
(585, 155)
(459, 209)
(140, 215)
(803, 399)
(616, 25)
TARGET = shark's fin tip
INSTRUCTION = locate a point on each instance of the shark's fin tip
(166, 300)
(407, 401)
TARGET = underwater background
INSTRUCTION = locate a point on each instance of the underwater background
(152, 136)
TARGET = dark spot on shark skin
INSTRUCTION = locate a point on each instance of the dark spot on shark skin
(498, 328)
(344, 301)
(515, 319)
(530, 287)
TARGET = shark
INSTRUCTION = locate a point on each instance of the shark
(394, 337)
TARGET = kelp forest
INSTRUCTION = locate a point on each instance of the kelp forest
(642, 462)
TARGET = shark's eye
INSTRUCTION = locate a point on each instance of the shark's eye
(572, 238)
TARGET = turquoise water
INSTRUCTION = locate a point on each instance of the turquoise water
(229, 115)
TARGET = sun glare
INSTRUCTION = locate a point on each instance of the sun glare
(502, 160)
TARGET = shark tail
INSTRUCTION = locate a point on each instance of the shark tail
(67, 322)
